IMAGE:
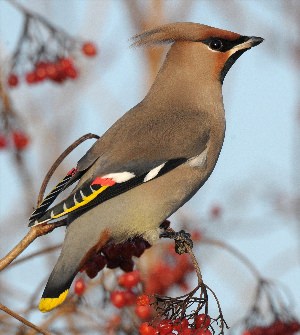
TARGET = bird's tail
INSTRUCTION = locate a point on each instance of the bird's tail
(77, 249)
(58, 285)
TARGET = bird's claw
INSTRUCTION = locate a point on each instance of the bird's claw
(183, 241)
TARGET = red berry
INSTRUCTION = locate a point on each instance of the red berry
(71, 72)
(165, 327)
(146, 329)
(40, 71)
(31, 77)
(118, 299)
(89, 49)
(91, 269)
(129, 279)
(59, 74)
(20, 140)
(143, 312)
(3, 142)
(113, 263)
(111, 251)
(202, 331)
(196, 236)
(199, 331)
(180, 325)
(13, 80)
(257, 331)
(127, 249)
(51, 70)
(100, 261)
(202, 321)
(66, 63)
(79, 287)
(276, 327)
(143, 300)
(127, 265)
(139, 247)
(130, 297)
(187, 331)
(294, 326)
(216, 212)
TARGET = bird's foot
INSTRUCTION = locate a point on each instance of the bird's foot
(183, 241)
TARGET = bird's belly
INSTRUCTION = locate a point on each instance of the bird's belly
(141, 210)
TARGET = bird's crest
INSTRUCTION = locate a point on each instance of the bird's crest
(180, 31)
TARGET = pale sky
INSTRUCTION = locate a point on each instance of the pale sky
(257, 160)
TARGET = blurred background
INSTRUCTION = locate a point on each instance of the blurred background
(251, 200)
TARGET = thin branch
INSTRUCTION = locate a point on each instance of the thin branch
(190, 252)
(196, 265)
(33, 233)
(23, 320)
(31, 14)
(58, 162)
(236, 253)
(36, 253)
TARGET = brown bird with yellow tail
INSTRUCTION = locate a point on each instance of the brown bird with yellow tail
(154, 158)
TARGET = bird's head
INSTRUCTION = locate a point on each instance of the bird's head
(205, 50)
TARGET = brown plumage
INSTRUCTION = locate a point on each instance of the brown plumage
(181, 121)
(180, 31)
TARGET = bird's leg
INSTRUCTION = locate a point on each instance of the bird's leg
(183, 241)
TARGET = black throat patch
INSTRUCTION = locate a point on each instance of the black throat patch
(230, 61)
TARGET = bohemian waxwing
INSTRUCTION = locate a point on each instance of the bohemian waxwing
(154, 158)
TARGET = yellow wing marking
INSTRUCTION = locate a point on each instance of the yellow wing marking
(85, 200)
(47, 304)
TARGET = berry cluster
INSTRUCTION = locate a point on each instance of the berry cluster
(116, 255)
(57, 71)
(269, 305)
(183, 327)
(48, 55)
(172, 270)
(132, 293)
(127, 297)
(278, 327)
(17, 138)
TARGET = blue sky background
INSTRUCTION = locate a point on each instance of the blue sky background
(257, 169)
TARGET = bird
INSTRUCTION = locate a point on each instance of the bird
(153, 159)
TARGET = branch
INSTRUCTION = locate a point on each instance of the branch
(23, 320)
(236, 253)
(36, 253)
(33, 233)
(59, 160)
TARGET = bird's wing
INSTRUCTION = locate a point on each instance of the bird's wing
(101, 188)
(137, 148)
(71, 177)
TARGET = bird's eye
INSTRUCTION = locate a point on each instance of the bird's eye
(215, 44)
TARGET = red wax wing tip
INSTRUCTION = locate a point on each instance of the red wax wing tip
(103, 181)
(72, 172)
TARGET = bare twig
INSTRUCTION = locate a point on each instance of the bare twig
(23, 320)
(59, 160)
(31, 14)
(36, 253)
(33, 233)
(190, 252)
(236, 253)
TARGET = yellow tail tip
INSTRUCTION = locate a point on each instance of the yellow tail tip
(47, 304)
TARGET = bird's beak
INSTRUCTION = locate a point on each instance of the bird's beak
(254, 41)
(248, 43)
